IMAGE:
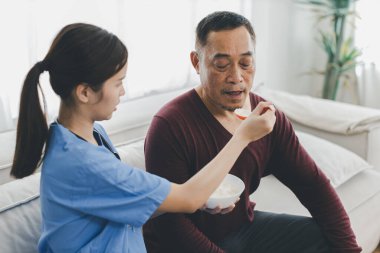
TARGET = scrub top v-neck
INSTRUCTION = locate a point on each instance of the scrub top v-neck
(101, 142)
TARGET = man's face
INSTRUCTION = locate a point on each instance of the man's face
(226, 66)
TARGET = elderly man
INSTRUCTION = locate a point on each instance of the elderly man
(190, 130)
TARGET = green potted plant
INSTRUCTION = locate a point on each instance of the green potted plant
(341, 53)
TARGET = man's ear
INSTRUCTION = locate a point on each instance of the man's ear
(194, 57)
(82, 92)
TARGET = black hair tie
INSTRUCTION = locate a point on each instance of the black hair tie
(43, 66)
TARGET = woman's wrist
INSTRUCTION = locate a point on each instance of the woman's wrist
(239, 140)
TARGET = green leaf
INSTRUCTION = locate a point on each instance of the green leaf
(351, 56)
(348, 67)
(329, 44)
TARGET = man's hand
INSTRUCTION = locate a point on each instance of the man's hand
(218, 210)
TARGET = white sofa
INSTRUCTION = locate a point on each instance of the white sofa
(360, 192)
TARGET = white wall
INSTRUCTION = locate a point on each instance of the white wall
(287, 47)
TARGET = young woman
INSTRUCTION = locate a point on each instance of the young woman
(90, 200)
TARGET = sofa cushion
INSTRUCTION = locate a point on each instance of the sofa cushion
(338, 163)
(133, 154)
(20, 216)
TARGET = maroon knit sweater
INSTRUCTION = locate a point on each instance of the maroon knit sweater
(184, 136)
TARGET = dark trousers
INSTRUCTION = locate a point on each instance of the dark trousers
(277, 233)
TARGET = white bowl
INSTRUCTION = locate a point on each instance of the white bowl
(227, 193)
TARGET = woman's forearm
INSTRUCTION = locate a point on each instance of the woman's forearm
(192, 194)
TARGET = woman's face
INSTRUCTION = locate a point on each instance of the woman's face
(109, 96)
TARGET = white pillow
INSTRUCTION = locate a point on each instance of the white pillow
(133, 154)
(338, 163)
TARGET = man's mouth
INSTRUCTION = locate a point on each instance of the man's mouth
(234, 93)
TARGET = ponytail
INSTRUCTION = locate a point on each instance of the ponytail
(32, 128)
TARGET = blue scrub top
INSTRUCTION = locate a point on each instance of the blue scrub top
(90, 200)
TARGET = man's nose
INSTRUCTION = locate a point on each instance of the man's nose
(122, 92)
(235, 75)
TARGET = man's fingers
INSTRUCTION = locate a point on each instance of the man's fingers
(212, 211)
(228, 209)
(218, 210)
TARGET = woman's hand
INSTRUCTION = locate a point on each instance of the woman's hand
(259, 123)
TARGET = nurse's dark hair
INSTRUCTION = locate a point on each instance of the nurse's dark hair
(80, 53)
(219, 21)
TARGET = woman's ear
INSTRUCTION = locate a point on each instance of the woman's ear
(82, 93)
(194, 57)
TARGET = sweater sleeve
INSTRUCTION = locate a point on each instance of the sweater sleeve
(166, 157)
(292, 165)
